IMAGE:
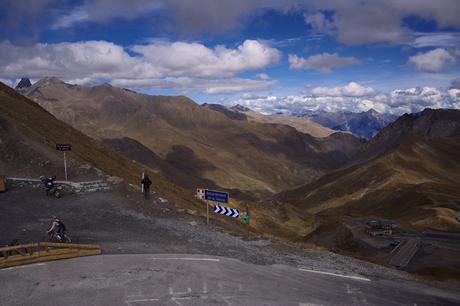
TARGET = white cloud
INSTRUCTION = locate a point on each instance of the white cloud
(100, 11)
(437, 60)
(358, 22)
(352, 89)
(437, 39)
(416, 99)
(324, 62)
(65, 21)
(86, 62)
(454, 94)
(208, 86)
(337, 99)
(193, 59)
(263, 76)
(320, 23)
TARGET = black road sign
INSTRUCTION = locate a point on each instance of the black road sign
(230, 212)
(63, 147)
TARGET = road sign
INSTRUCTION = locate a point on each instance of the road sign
(216, 196)
(63, 147)
(230, 212)
(246, 219)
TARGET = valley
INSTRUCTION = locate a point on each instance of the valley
(279, 153)
(301, 189)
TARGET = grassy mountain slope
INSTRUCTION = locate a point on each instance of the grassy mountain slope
(28, 134)
(207, 144)
(28, 137)
(409, 173)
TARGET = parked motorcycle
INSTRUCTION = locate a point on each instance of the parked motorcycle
(50, 187)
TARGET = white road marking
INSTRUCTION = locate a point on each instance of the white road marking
(141, 300)
(334, 274)
(177, 299)
(186, 258)
(22, 267)
(226, 299)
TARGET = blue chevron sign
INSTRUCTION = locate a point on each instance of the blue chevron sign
(216, 196)
(230, 212)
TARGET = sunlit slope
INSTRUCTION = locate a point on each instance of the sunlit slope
(414, 179)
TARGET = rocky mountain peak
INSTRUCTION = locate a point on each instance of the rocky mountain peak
(240, 108)
(23, 83)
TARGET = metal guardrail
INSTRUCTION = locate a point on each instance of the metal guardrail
(44, 251)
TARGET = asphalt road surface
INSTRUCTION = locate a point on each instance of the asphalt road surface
(229, 271)
(200, 280)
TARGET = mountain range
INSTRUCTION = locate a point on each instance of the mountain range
(302, 124)
(201, 146)
(365, 124)
(300, 187)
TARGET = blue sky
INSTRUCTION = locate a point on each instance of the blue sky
(393, 56)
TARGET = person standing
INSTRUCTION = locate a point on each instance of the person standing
(146, 182)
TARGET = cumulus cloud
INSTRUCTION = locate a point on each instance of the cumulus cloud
(437, 60)
(356, 98)
(415, 99)
(324, 62)
(170, 64)
(352, 89)
(195, 59)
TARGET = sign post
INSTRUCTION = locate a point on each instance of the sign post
(215, 196)
(64, 147)
(65, 167)
(207, 212)
(246, 219)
